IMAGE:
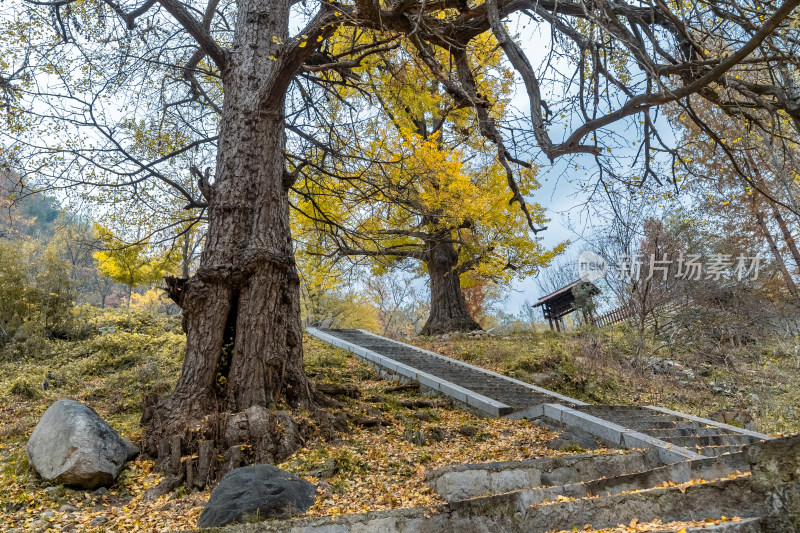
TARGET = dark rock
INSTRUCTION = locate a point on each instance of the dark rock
(72, 445)
(255, 493)
(417, 404)
(99, 521)
(372, 421)
(468, 431)
(574, 438)
(403, 388)
(375, 399)
(167, 485)
(435, 434)
(99, 492)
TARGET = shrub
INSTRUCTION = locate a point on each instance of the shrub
(24, 389)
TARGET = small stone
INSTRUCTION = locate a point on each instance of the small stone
(37, 524)
(47, 515)
(131, 450)
(67, 508)
(435, 434)
(468, 431)
(99, 521)
(99, 492)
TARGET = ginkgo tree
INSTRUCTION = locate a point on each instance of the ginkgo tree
(130, 264)
(428, 190)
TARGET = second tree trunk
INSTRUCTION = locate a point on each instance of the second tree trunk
(449, 311)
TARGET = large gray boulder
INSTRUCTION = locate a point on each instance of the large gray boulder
(255, 493)
(72, 445)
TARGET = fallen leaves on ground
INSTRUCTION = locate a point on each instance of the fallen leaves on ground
(656, 526)
(375, 468)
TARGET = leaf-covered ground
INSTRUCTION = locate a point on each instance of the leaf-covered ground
(122, 354)
(119, 355)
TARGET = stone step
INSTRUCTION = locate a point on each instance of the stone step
(748, 525)
(635, 417)
(482, 382)
(713, 451)
(647, 426)
(709, 469)
(690, 432)
(507, 513)
(676, 437)
(709, 440)
(464, 481)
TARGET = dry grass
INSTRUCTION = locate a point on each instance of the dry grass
(762, 380)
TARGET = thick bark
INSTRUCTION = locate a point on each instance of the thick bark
(241, 309)
(449, 310)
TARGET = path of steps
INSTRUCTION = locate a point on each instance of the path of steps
(753, 491)
(677, 429)
(676, 436)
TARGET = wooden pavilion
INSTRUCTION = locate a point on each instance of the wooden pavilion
(559, 304)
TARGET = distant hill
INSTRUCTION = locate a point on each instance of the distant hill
(24, 212)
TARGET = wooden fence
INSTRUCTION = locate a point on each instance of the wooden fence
(614, 317)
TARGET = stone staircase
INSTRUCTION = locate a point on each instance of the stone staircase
(751, 491)
(676, 436)
(514, 395)
(696, 435)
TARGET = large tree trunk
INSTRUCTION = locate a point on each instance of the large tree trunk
(449, 310)
(242, 308)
